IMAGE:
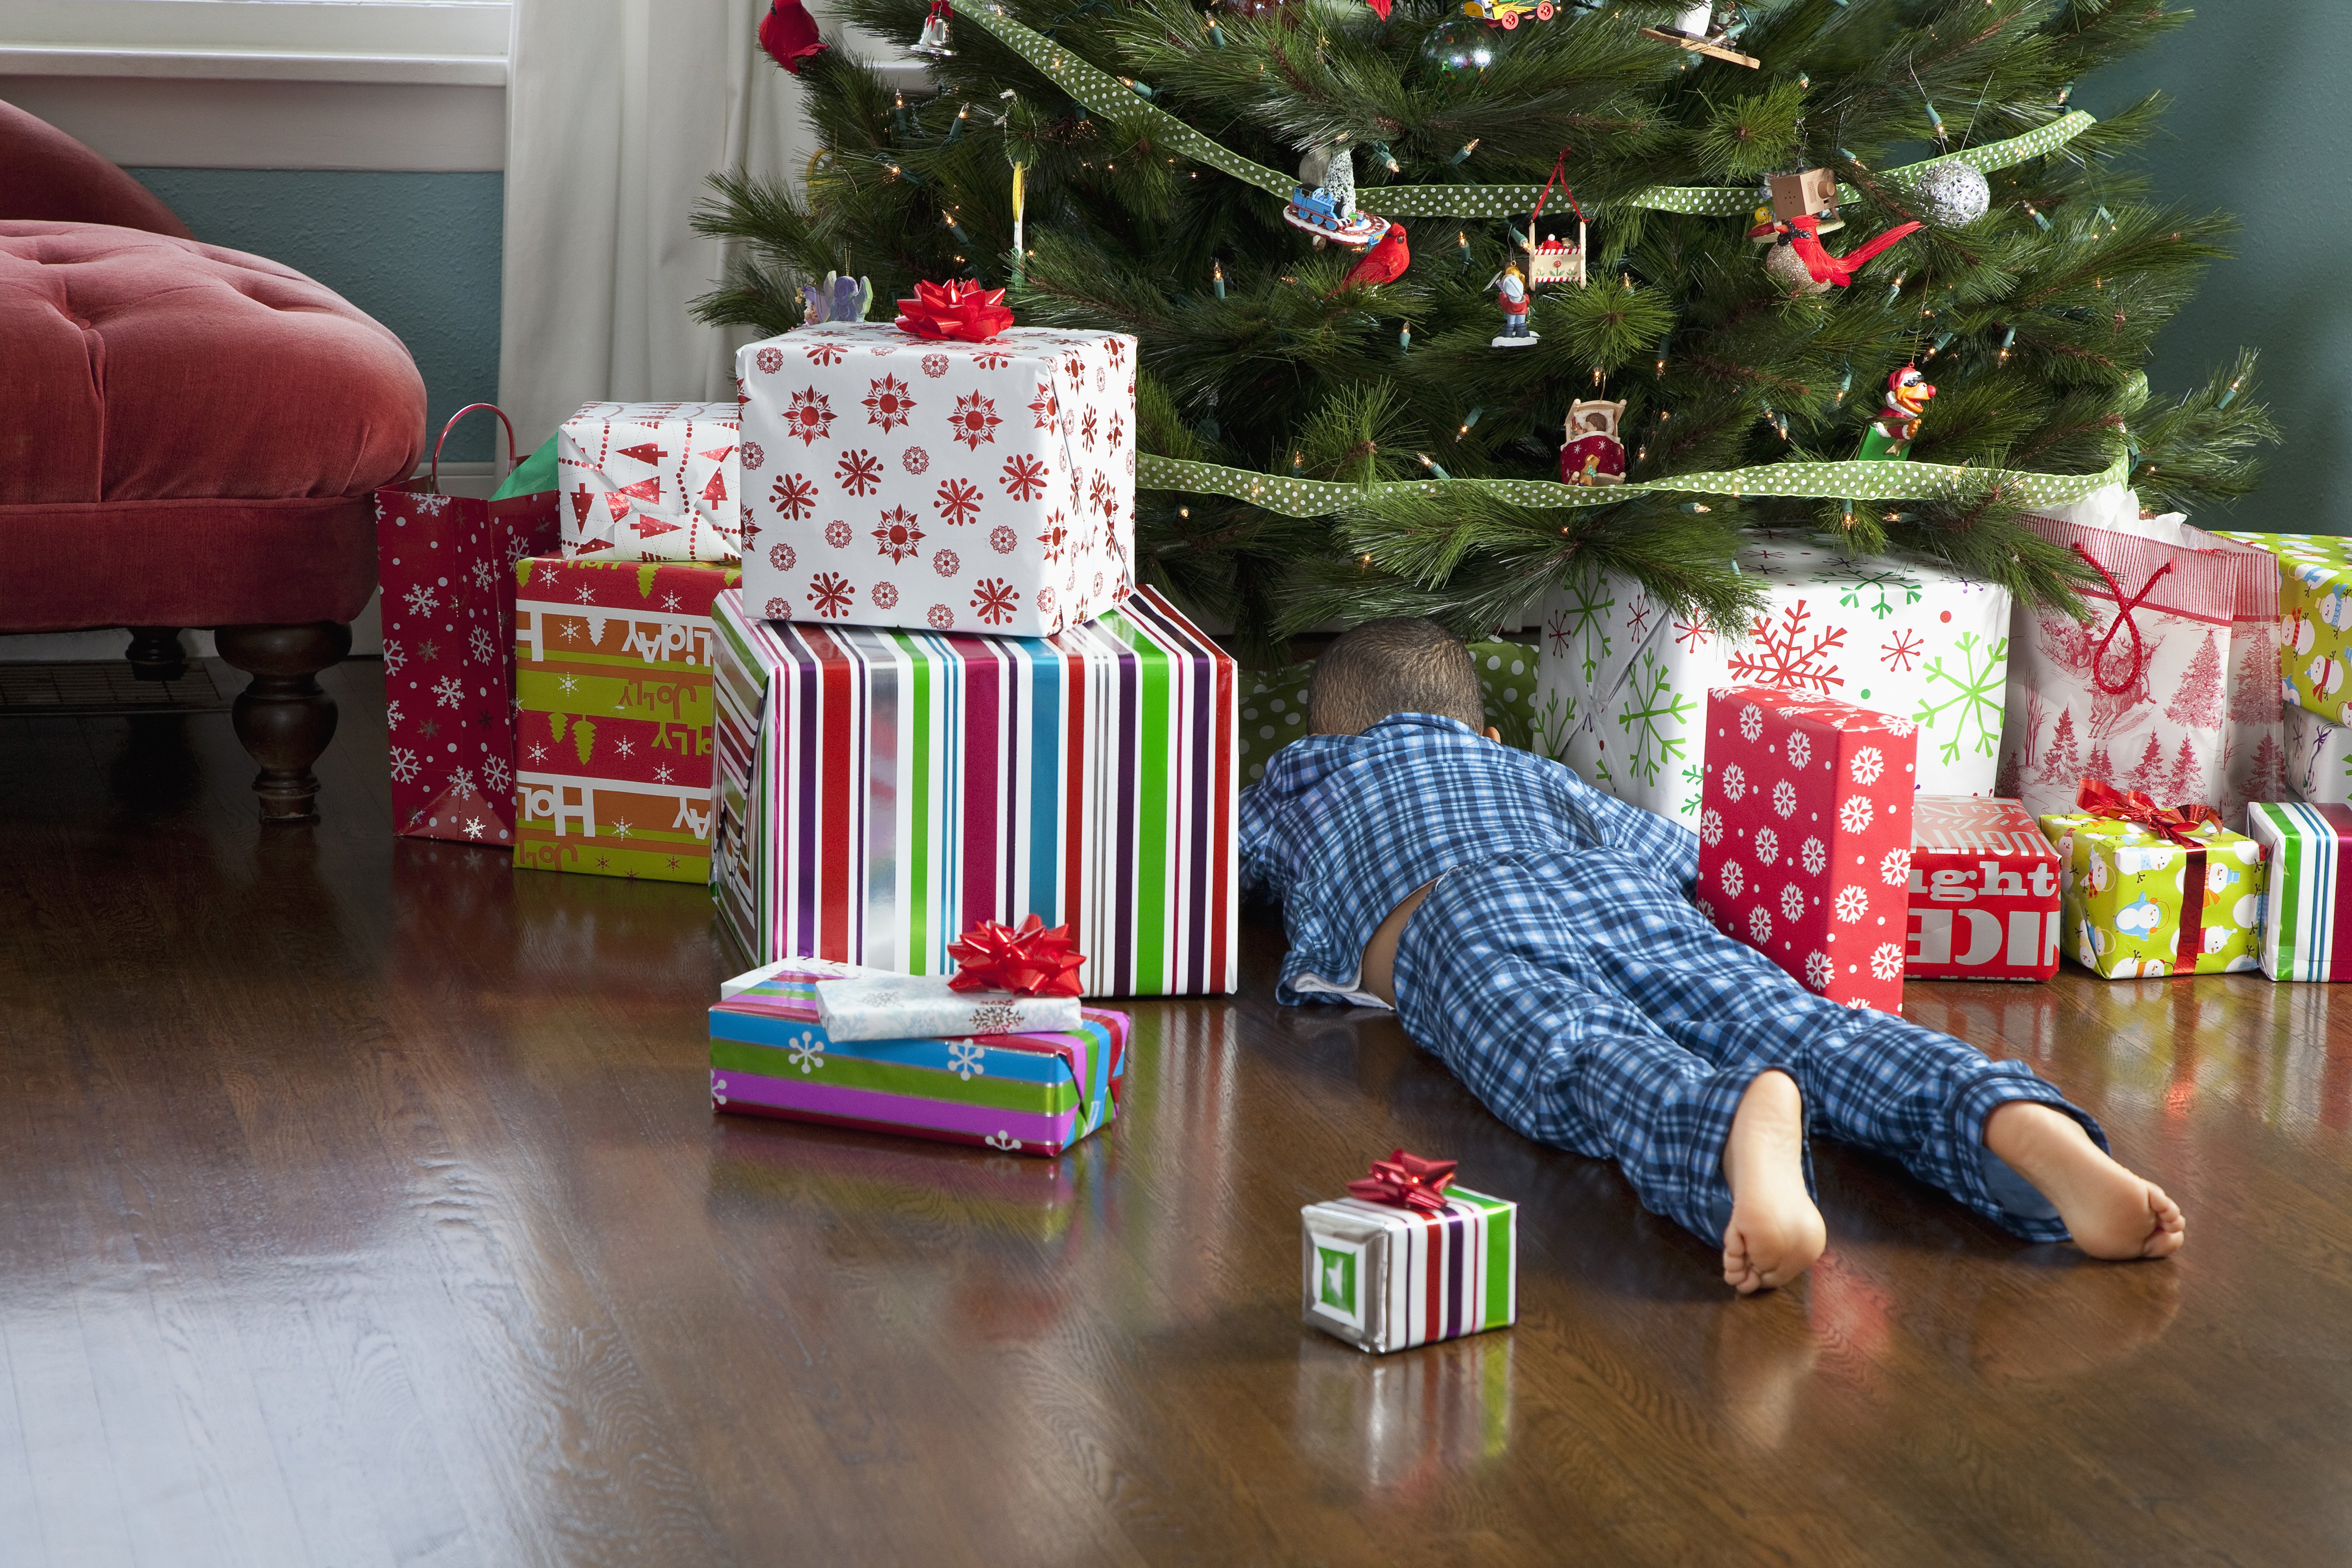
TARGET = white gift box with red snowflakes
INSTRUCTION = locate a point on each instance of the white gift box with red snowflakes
(1621, 683)
(650, 481)
(895, 481)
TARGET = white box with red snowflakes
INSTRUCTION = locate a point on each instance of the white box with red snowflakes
(650, 481)
(1621, 683)
(932, 484)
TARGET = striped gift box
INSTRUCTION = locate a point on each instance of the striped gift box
(1387, 1278)
(2308, 910)
(1028, 1094)
(881, 791)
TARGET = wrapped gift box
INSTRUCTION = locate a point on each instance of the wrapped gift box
(2315, 611)
(1387, 1278)
(929, 484)
(2318, 758)
(879, 793)
(447, 566)
(2306, 899)
(2126, 890)
(1623, 681)
(1026, 1094)
(1805, 839)
(651, 481)
(1273, 706)
(1984, 891)
(613, 709)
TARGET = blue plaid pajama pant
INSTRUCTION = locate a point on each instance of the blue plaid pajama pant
(1588, 1006)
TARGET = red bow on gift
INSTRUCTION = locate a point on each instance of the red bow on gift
(1408, 1181)
(2176, 822)
(960, 308)
(1031, 962)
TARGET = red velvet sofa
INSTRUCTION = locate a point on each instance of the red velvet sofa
(189, 437)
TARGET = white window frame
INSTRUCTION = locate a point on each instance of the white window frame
(458, 43)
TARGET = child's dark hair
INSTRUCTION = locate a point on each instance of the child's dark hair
(1401, 665)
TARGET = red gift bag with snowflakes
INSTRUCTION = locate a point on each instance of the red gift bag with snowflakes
(1805, 838)
(2171, 686)
(447, 564)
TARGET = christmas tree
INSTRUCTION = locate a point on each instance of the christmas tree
(1347, 429)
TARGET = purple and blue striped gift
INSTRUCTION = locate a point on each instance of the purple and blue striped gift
(1027, 1094)
(881, 791)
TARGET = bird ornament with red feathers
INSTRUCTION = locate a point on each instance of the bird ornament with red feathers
(1384, 263)
(1802, 234)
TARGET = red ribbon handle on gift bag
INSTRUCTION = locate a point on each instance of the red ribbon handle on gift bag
(2124, 606)
(1406, 1182)
(512, 461)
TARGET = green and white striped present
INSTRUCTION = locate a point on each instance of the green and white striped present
(2308, 912)
(1387, 1278)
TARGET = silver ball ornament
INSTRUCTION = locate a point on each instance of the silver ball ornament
(1786, 268)
(1951, 194)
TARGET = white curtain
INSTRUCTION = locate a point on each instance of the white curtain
(617, 110)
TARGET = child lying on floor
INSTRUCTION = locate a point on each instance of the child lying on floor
(1536, 935)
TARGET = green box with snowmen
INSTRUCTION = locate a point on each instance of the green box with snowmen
(2314, 617)
(2123, 891)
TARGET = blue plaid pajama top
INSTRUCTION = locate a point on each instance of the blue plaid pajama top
(1341, 828)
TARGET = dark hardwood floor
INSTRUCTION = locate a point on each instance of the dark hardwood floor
(361, 1203)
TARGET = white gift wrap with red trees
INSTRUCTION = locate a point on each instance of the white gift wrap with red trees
(933, 485)
(650, 481)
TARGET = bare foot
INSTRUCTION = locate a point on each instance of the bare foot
(1775, 1231)
(2111, 1212)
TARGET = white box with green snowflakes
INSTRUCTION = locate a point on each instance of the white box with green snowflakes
(1620, 693)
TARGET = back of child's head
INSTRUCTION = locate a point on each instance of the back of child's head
(1400, 664)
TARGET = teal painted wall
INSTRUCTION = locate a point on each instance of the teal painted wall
(419, 252)
(2257, 127)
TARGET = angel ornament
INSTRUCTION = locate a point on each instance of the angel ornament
(839, 299)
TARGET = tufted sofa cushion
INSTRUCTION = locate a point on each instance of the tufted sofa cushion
(188, 435)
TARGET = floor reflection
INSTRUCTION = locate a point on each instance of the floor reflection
(1402, 1422)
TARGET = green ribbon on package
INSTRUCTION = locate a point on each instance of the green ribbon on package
(1107, 94)
(1853, 480)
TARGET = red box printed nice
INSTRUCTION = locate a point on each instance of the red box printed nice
(1984, 891)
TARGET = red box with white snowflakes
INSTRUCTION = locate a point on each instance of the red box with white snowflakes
(1984, 891)
(913, 482)
(650, 481)
(1805, 838)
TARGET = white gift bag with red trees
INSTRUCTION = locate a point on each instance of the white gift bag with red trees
(2170, 687)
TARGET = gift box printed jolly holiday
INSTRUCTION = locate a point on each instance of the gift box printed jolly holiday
(651, 481)
(1407, 1259)
(1273, 706)
(1984, 891)
(932, 484)
(2148, 891)
(447, 564)
(2306, 930)
(613, 744)
(881, 791)
(1805, 839)
(1623, 681)
(1029, 1093)
(2170, 687)
(2314, 617)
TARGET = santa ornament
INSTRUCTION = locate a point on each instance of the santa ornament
(1511, 293)
(1594, 453)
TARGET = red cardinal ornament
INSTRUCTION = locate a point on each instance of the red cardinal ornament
(789, 35)
(1384, 263)
(1805, 235)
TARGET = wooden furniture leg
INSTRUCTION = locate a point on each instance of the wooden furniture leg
(283, 718)
(154, 653)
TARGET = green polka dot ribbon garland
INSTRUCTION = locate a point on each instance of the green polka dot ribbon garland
(1875, 481)
(1105, 94)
